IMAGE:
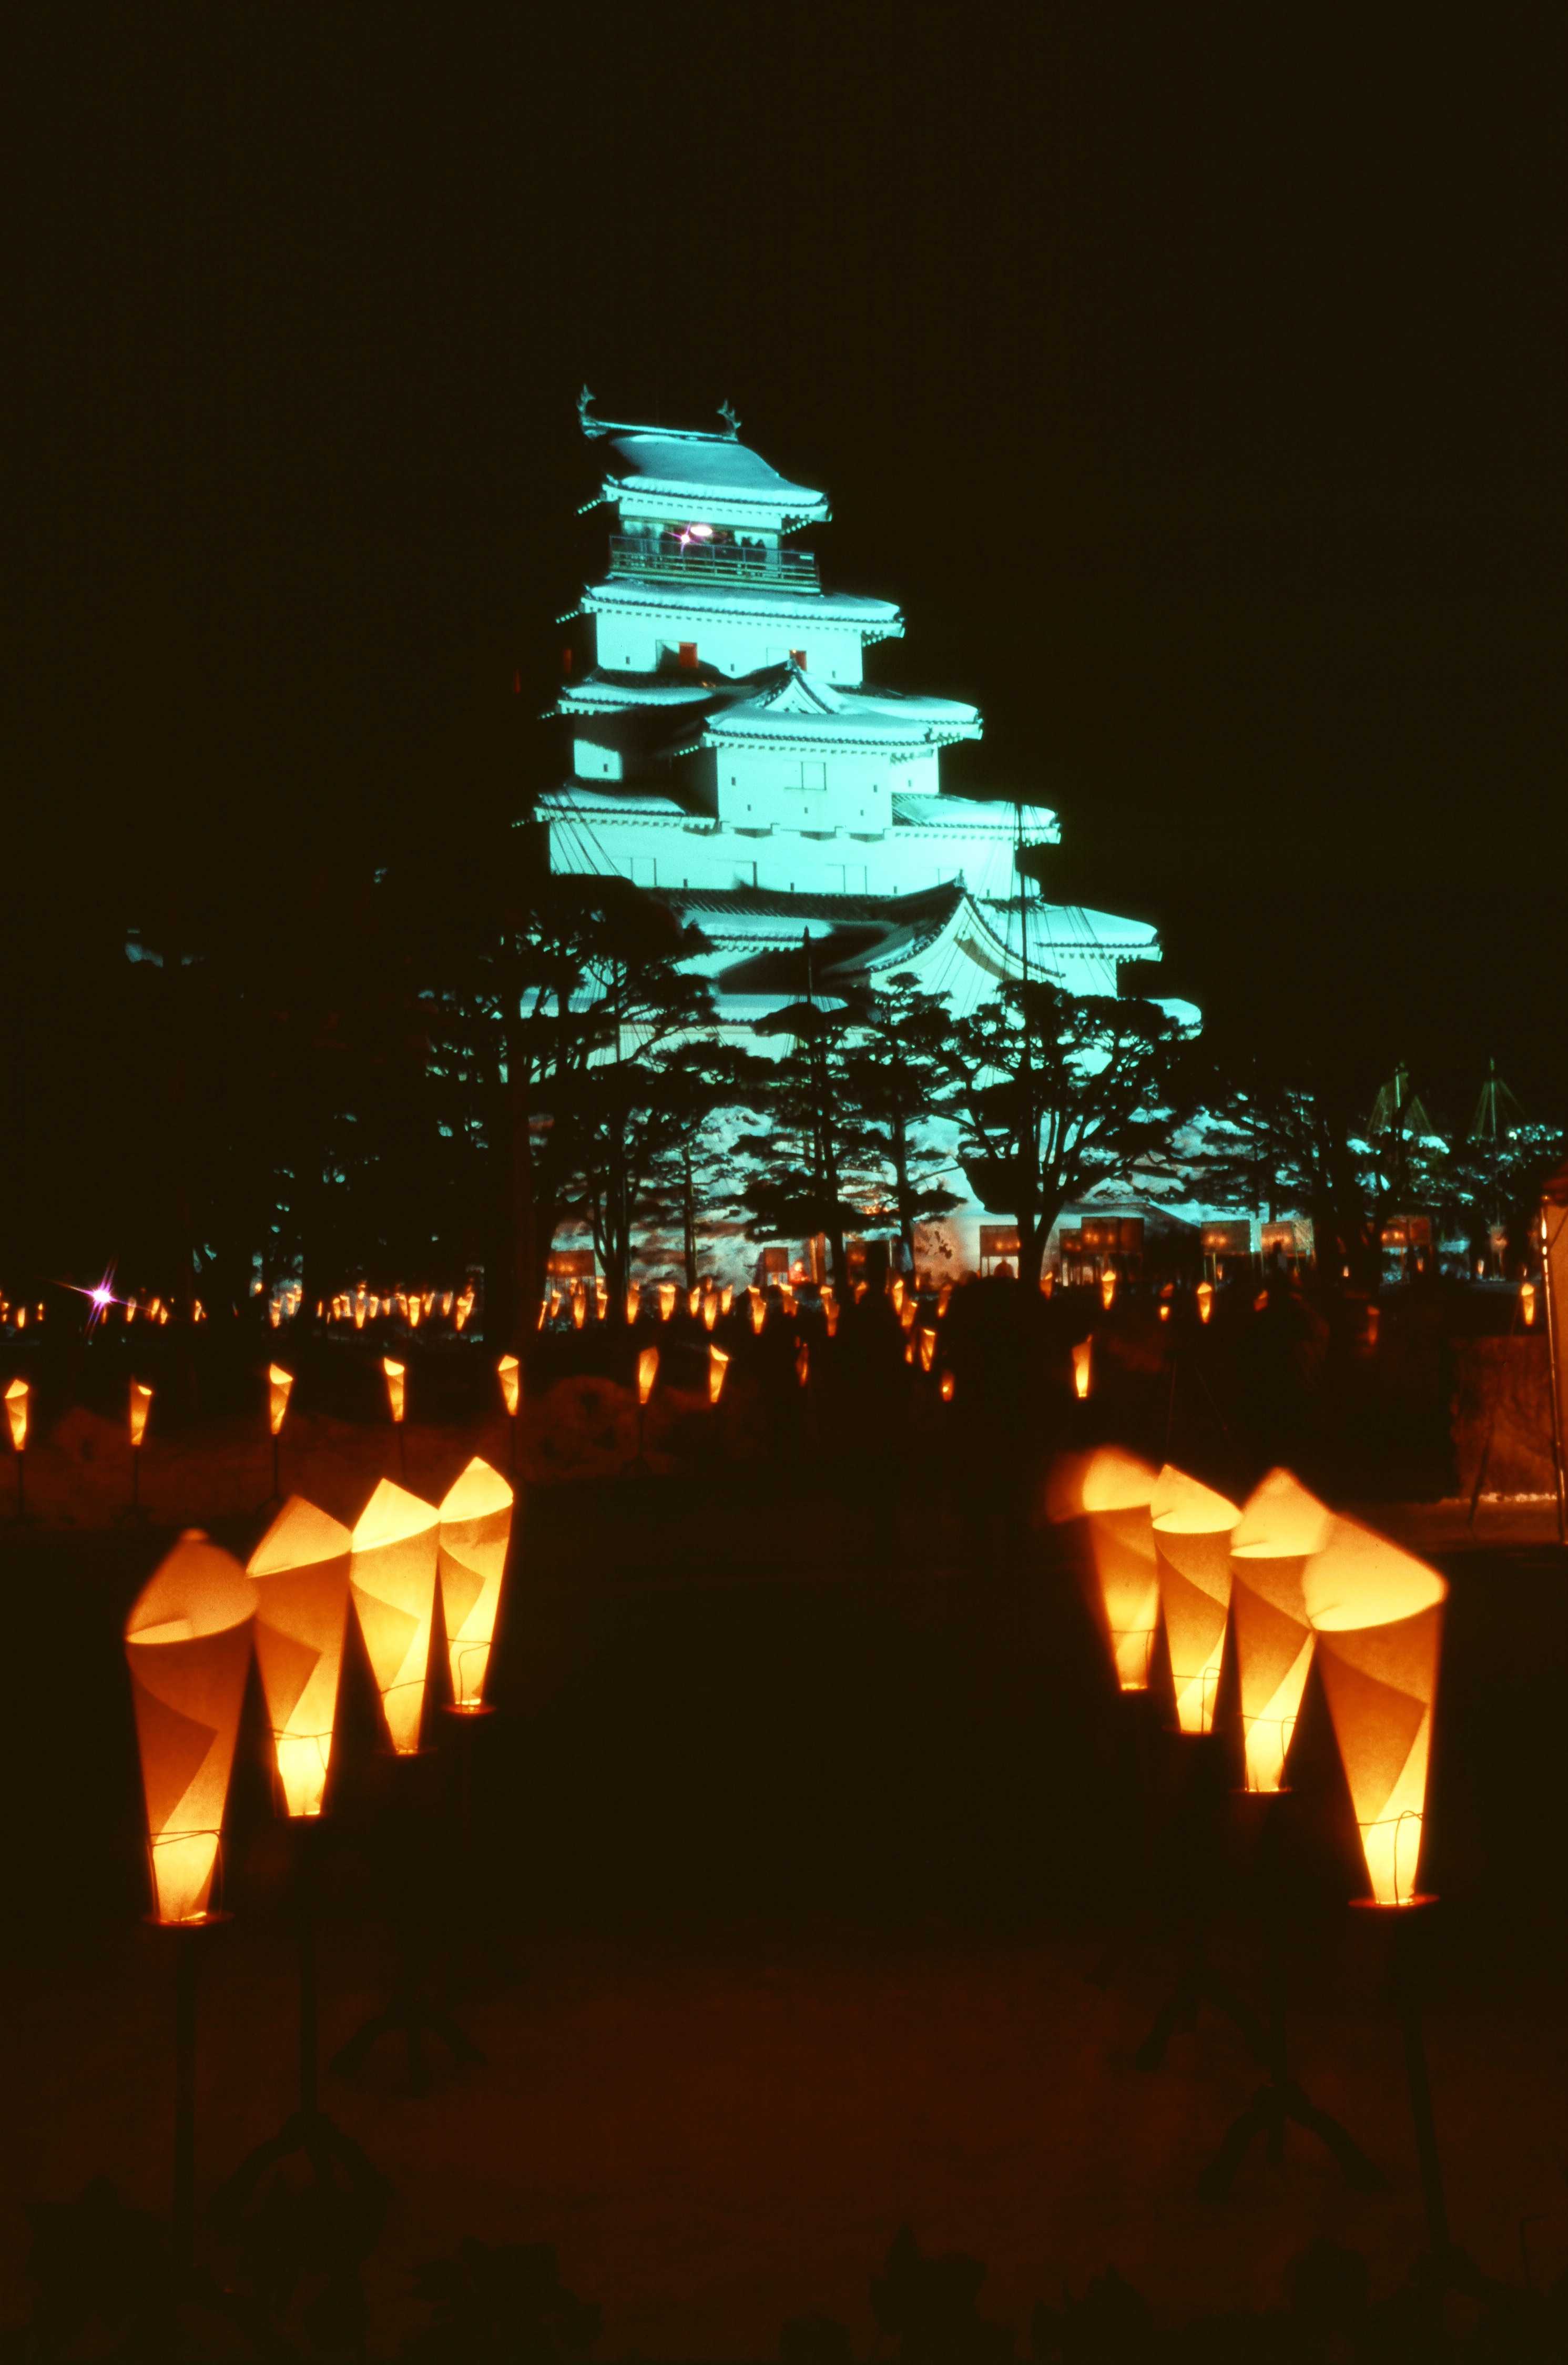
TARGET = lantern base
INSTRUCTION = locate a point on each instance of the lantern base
(1407, 1905)
(469, 1708)
(1279, 2104)
(195, 1921)
(414, 2019)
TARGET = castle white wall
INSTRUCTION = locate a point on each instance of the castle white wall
(732, 644)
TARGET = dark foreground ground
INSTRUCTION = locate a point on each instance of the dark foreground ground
(806, 1822)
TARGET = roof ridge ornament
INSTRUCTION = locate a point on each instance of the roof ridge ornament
(590, 425)
(727, 413)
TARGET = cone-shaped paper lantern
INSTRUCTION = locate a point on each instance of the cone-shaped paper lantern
(392, 1577)
(358, 1313)
(17, 1412)
(1378, 1616)
(726, 1297)
(300, 1573)
(1047, 1282)
(667, 1300)
(510, 1380)
(396, 1375)
(927, 1349)
(1281, 1528)
(634, 1304)
(476, 1528)
(279, 1382)
(758, 1310)
(1192, 1541)
(718, 1364)
(187, 1644)
(709, 1311)
(1164, 1311)
(1112, 1490)
(830, 1308)
(1205, 1300)
(947, 1386)
(895, 1291)
(141, 1405)
(446, 1304)
(647, 1372)
(579, 1310)
(908, 1312)
(1526, 1304)
(802, 1363)
(1107, 1290)
(943, 1299)
(1081, 1367)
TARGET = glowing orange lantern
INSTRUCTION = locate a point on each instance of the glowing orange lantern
(359, 1310)
(943, 1299)
(300, 1574)
(718, 1364)
(395, 1375)
(1281, 1529)
(1048, 1281)
(580, 1309)
(927, 1349)
(446, 1304)
(1080, 1357)
(667, 1300)
(1205, 1300)
(1107, 1290)
(1192, 1542)
(802, 1363)
(1378, 1617)
(860, 1289)
(907, 1316)
(726, 1297)
(1112, 1491)
(709, 1311)
(141, 1405)
(1372, 1313)
(17, 1412)
(279, 1382)
(416, 1308)
(758, 1310)
(1526, 1304)
(187, 1645)
(509, 1374)
(392, 1577)
(476, 1529)
(947, 1387)
(647, 1372)
(633, 1305)
(896, 1292)
(1164, 1310)
(830, 1312)
(275, 1312)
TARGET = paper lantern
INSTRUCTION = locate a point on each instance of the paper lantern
(510, 1376)
(1205, 1300)
(1047, 1282)
(895, 1291)
(187, 1645)
(1378, 1616)
(927, 1349)
(727, 1296)
(392, 1577)
(274, 1314)
(908, 1313)
(300, 1573)
(830, 1311)
(1107, 1290)
(647, 1372)
(446, 1304)
(1526, 1304)
(141, 1405)
(580, 1309)
(416, 1308)
(802, 1363)
(396, 1376)
(718, 1364)
(948, 1387)
(943, 1299)
(759, 1311)
(279, 1382)
(17, 1412)
(667, 1300)
(709, 1311)
(1192, 1544)
(1113, 1490)
(1164, 1311)
(860, 1289)
(476, 1529)
(633, 1305)
(1372, 1314)
(358, 1313)
(1080, 1354)
(1281, 1529)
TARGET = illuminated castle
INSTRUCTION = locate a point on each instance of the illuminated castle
(729, 754)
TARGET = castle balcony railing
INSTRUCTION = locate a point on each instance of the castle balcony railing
(756, 564)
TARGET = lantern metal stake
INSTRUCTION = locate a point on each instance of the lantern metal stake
(1407, 1988)
(411, 2014)
(1280, 2101)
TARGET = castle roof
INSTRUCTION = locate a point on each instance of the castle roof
(800, 706)
(714, 475)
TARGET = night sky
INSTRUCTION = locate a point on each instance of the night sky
(1193, 377)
